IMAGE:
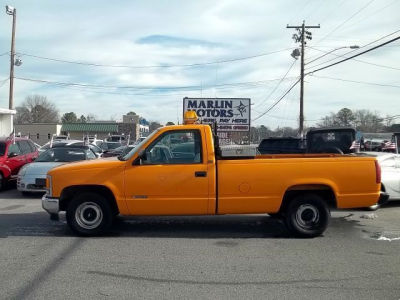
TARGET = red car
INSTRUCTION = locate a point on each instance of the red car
(13, 155)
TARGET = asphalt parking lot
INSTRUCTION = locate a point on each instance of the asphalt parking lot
(197, 257)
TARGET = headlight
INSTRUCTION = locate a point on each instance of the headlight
(22, 171)
(49, 190)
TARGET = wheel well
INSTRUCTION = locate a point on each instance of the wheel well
(324, 191)
(69, 193)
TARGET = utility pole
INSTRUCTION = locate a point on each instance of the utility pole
(301, 36)
(13, 12)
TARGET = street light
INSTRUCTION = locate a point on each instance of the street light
(344, 47)
(12, 12)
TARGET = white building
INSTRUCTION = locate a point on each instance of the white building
(40, 133)
(6, 121)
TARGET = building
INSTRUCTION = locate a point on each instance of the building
(100, 130)
(6, 121)
(40, 133)
(130, 119)
(144, 128)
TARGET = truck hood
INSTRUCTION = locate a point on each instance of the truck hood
(100, 163)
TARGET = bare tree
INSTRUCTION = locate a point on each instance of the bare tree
(36, 109)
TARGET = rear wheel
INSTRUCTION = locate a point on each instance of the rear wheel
(307, 216)
(89, 214)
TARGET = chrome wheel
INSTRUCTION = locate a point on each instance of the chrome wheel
(89, 215)
(307, 216)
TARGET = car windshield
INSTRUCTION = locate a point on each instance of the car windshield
(2, 148)
(138, 146)
(62, 155)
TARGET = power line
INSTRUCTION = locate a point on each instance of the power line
(361, 61)
(193, 87)
(374, 13)
(355, 81)
(5, 53)
(278, 84)
(373, 42)
(153, 66)
(348, 19)
(276, 103)
(351, 57)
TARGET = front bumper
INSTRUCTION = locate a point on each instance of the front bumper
(383, 198)
(27, 183)
(51, 205)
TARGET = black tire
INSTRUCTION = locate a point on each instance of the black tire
(54, 217)
(89, 214)
(277, 215)
(2, 182)
(307, 216)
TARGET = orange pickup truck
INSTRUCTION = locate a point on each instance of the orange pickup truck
(177, 171)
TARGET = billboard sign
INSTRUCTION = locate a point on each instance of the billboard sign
(230, 114)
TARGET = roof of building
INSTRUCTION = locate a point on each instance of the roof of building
(90, 127)
(5, 111)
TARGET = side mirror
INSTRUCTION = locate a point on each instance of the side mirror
(141, 157)
(12, 154)
(143, 154)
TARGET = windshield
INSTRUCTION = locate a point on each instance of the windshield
(62, 155)
(2, 148)
(138, 147)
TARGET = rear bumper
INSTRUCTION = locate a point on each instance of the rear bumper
(51, 205)
(383, 198)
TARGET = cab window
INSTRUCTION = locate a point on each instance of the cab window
(175, 147)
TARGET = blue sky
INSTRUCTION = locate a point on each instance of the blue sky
(147, 36)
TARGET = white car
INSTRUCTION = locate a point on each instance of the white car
(32, 176)
(390, 166)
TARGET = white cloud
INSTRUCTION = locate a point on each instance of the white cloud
(107, 32)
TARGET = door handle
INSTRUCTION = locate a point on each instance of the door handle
(200, 174)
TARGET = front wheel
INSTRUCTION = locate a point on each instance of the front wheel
(307, 216)
(89, 214)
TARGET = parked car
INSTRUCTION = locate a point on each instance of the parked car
(390, 170)
(374, 145)
(109, 145)
(122, 150)
(116, 138)
(71, 143)
(14, 154)
(32, 177)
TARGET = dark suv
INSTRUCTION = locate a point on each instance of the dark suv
(14, 153)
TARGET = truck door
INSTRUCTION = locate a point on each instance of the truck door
(171, 177)
(15, 158)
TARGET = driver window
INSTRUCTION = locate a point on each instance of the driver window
(175, 147)
(14, 149)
